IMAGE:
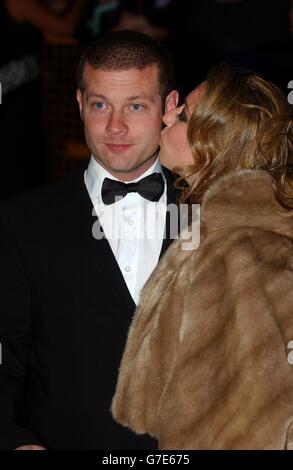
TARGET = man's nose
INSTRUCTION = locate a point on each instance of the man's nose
(116, 124)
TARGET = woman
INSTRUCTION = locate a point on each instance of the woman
(206, 364)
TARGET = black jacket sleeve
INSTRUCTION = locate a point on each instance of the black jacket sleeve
(15, 340)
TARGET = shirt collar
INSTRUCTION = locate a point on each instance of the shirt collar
(95, 175)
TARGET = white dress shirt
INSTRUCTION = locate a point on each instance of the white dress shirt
(134, 226)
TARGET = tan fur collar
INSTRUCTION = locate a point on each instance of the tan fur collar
(244, 198)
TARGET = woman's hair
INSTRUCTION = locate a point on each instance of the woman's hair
(241, 122)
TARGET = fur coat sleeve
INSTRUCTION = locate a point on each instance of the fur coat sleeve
(206, 364)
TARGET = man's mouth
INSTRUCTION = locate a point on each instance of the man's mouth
(117, 147)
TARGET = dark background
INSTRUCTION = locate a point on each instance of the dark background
(41, 133)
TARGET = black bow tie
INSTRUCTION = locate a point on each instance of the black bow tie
(150, 187)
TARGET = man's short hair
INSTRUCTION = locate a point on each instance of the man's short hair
(124, 50)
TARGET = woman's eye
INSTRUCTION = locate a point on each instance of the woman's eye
(99, 105)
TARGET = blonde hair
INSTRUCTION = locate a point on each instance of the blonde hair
(241, 122)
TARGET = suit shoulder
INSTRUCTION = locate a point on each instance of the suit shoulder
(47, 196)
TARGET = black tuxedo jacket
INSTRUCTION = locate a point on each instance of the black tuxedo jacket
(64, 315)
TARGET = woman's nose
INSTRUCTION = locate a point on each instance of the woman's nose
(171, 116)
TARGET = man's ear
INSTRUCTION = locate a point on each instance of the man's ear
(171, 101)
(79, 100)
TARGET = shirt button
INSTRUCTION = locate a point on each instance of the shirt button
(131, 222)
(127, 269)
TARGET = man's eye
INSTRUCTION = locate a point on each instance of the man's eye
(99, 105)
(136, 107)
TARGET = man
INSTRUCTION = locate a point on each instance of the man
(68, 294)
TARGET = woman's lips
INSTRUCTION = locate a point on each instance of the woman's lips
(118, 147)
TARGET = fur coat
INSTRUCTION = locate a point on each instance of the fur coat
(207, 364)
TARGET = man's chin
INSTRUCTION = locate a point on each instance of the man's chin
(123, 167)
(129, 172)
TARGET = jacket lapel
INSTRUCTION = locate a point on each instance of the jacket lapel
(101, 261)
(102, 266)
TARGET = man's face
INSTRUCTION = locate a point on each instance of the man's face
(122, 112)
